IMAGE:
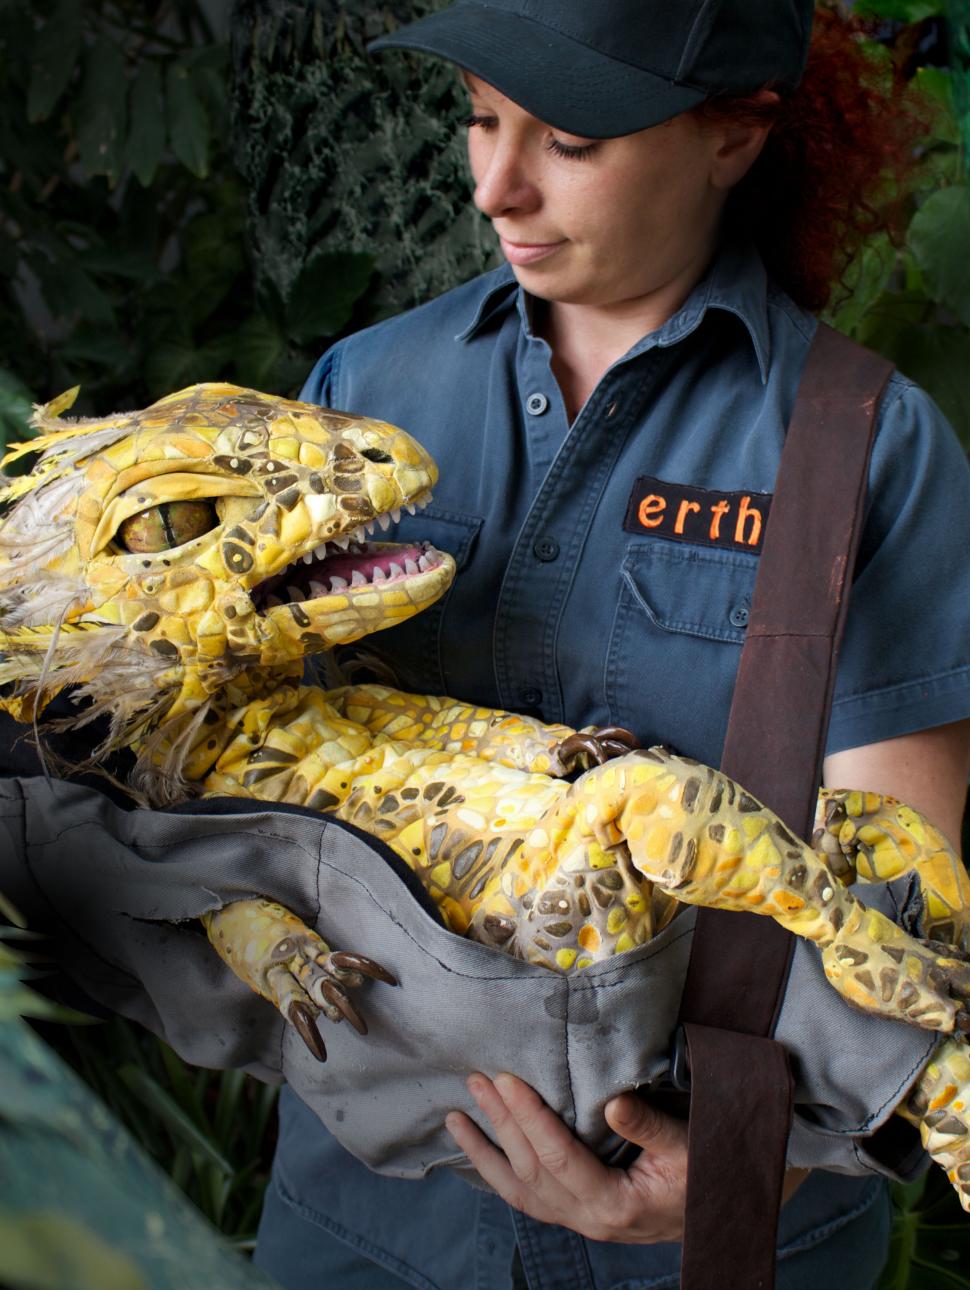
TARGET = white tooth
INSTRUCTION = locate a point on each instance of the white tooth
(357, 579)
(321, 552)
(308, 558)
(395, 570)
(337, 584)
(318, 589)
(410, 566)
(384, 521)
(342, 542)
(294, 593)
(379, 575)
(369, 528)
(410, 508)
(396, 515)
(424, 563)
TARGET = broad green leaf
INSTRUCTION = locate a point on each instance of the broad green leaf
(934, 85)
(178, 360)
(102, 110)
(97, 345)
(939, 236)
(178, 1123)
(902, 10)
(70, 292)
(188, 120)
(146, 132)
(867, 279)
(55, 53)
(325, 293)
(16, 405)
(259, 347)
(937, 357)
(46, 1250)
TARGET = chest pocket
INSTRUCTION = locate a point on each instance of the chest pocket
(676, 642)
(409, 656)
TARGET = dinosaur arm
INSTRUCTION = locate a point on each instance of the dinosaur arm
(426, 721)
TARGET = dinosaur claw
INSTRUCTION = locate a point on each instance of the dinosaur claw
(336, 997)
(303, 1019)
(619, 735)
(570, 750)
(350, 962)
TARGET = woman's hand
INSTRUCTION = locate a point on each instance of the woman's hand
(547, 1173)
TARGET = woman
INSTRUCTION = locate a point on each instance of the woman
(608, 412)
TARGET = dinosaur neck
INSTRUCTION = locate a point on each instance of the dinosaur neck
(198, 726)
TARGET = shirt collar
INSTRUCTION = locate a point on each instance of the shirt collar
(736, 283)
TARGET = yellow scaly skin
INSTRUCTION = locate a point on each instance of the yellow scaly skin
(200, 673)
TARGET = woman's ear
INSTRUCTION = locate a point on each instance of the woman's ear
(741, 141)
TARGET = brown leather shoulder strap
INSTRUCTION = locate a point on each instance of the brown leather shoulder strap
(740, 1083)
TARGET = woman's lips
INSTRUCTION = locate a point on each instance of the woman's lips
(528, 252)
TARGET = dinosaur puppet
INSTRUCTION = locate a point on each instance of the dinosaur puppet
(174, 567)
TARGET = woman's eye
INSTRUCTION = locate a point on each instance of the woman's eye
(574, 151)
(165, 526)
(483, 122)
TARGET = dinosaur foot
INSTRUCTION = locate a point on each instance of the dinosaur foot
(924, 983)
(289, 964)
(308, 978)
(594, 746)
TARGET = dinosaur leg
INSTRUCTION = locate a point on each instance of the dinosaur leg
(876, 839)
(522, 743)
(286, 962)
(703, 840)
(939, 1106)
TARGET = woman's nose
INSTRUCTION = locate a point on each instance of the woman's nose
(503, 183)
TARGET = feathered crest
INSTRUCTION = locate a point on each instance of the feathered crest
(62, 445)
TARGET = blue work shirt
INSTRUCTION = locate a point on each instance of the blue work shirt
(605, 576)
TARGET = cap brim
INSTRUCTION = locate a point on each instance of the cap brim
(561, 81)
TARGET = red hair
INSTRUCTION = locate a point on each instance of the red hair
(836, 167)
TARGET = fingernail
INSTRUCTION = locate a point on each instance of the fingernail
(475, 1087)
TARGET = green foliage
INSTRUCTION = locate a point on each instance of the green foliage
(339, 148)
(912, 303)
(212, 1131)
(122, 220)
(901, 10)
(930, 1247)
(81, 1206)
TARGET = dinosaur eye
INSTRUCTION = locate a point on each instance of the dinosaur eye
(168, 525)
(377, 455)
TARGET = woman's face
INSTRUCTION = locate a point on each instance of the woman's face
(596, 222)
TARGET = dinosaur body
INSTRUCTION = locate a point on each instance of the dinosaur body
(174, 567)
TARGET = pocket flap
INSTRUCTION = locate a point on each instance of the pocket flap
(693, 590)
(445, 530)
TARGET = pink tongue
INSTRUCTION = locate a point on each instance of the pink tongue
(343, 566)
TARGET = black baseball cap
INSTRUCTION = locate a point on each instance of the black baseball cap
(601, 68)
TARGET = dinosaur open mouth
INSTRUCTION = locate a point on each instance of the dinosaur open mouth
(336, 567)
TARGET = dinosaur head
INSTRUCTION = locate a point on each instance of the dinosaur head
(152, 558)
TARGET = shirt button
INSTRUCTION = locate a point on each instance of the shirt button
(546, 549)
(536, 404)
(530, 698)
(738, 616)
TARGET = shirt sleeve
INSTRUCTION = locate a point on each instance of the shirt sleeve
(317, 388)
(905, 661)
